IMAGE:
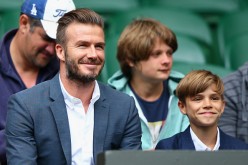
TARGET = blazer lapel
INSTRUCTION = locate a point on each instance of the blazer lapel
(224, 142)
(101, 111)
(187, 143)
(59, 111)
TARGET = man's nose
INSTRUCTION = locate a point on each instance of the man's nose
(51, 47)
(92, 52)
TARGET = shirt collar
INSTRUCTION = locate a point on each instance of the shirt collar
(71, 100)
(200, 146)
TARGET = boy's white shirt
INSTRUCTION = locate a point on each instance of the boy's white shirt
(200, 146)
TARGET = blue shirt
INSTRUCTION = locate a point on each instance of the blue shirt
(155, 111)
(10, 83)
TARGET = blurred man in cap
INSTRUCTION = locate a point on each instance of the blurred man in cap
(27, 54)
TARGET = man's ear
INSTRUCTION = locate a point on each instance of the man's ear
(60, 52)
(24, 23)
(182, 107)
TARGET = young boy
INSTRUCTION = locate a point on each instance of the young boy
(200, 95)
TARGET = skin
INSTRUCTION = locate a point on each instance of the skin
(204, 111)
(41, 51)
(148, 75)
(84, 56)
(31, 51)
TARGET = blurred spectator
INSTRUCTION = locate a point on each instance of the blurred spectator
(234, 120)
(27, 54)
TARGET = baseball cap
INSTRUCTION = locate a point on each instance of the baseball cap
(48, 12)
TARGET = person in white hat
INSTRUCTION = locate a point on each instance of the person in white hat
(27, 54)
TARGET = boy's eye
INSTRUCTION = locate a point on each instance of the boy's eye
(215, 98)
(169, 53)
(155, 54)
(196, 98)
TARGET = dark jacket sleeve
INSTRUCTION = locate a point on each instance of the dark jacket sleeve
(21, 147)
(132, 135)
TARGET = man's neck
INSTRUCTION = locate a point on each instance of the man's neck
(82, 91)
(27, 73)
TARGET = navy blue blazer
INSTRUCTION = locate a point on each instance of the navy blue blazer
(183, 141)
(37, 128)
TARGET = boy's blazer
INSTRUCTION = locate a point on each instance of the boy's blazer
(37, 128)
(183, 141)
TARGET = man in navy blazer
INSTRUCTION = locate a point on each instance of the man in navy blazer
(71, 118)
(200, 95)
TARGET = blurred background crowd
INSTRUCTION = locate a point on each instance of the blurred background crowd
(211, 34)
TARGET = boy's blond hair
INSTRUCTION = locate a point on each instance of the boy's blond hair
(196, 82)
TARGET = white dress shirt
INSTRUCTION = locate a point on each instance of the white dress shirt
(81, 127)
(200, 146)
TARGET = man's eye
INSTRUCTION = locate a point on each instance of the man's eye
(82, 46)
(99, 47)
(48, 39)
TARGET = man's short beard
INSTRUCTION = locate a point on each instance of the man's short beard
(80, 78)
(72, 72)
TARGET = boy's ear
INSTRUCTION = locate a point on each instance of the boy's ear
(182, 107)
(223, 107)
(131, 64)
